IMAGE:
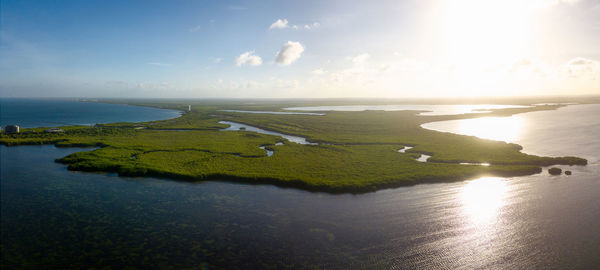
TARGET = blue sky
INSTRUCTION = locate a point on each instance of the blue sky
(298, 48)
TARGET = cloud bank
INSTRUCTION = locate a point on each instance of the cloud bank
(582, 67)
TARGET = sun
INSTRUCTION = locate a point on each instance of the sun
(478, 32)
(479, 36)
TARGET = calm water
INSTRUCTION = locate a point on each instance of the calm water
(29, 113)
(273, 112)
(233, 126)
(567, 131)
(54, 218)
(431, 109)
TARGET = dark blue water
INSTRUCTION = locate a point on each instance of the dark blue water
(54, 218)
(29, 113)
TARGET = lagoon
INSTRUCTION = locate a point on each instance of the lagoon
(431, 109)
(562, 132)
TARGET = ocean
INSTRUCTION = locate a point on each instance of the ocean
(29, 113)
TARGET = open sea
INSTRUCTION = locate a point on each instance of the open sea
(29, 113)
(55, 218)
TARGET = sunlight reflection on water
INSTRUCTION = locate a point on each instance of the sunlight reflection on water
(428, 109)
(506, 129)
(483, 198)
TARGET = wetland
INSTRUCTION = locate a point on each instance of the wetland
(340, 151)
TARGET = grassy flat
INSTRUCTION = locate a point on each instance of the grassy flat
(357, 150)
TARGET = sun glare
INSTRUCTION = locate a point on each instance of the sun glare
(483, 198)
(482, 32)
(505, 129)
(482, 36)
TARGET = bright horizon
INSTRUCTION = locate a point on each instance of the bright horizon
(309, 49)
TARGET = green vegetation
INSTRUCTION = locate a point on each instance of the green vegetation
(357, 150)
(554, 171)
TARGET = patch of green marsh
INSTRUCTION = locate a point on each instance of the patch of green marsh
(358, 150)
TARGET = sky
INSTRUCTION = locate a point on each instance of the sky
(299, 49)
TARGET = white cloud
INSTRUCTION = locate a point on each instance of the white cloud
(217, 60)
(312, 26)
(582, 67)
(520, 65)
(279, 24)
(281, 83)
(526, 68)
(358, 74)
(283, 24)
(360, 59)
(289, 53)
(248, 58)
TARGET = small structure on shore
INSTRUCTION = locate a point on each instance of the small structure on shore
(12, 129)
(189, 108)
(54, 130)
(242, 128)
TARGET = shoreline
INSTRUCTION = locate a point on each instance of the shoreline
(499, 170)
(299, 184)
(265, 181)
(179, 112)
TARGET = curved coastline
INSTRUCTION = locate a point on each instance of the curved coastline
(296, 184)
(427, 156)
(30, 113)
(547, 134)
(525, 169)
(180, 112)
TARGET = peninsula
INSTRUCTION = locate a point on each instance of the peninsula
(349, 152)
